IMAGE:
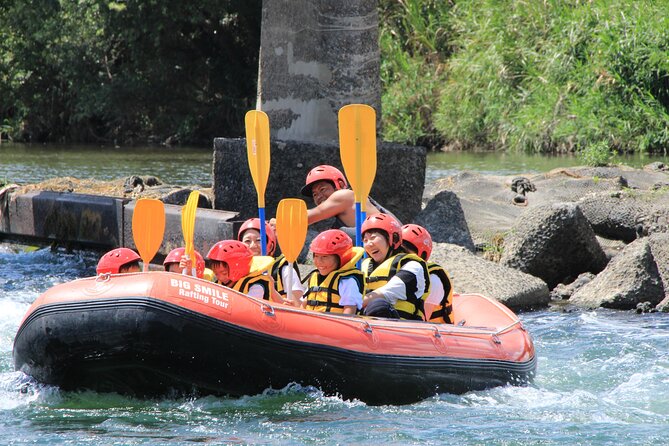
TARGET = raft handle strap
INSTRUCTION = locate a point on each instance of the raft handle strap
(267, 309)
(368, 327)
(104, 277)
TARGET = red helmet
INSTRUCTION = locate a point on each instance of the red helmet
(419, 238)
(115, 259)
(335, 242)
(324, 172)
(254, 223)
(175, 257)
(235, 254)
(386, 223)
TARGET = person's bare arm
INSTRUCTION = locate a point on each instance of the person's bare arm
(339, 202)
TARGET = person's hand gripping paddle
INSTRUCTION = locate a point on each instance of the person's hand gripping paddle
(257, 150)
(357, 148)
(148, 228)
(188, 227)
(291, 232)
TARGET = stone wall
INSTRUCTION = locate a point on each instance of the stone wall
(399, 183)
(98, 222)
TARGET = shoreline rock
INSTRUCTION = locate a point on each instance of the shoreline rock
(616, 205)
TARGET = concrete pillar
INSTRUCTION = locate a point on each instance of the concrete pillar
(317, 56)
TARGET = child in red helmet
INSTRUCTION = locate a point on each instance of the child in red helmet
(249, 234)
(439, 303)
(118, 261)
(336, 284)
(177, 261)
(235, 266)
(396, 283)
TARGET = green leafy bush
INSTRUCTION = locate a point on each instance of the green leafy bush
(537, 76)
(597, 154)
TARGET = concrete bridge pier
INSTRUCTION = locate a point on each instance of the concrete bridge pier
(316, 56)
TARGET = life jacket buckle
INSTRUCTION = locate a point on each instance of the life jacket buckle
(267, 309)
(496, 339)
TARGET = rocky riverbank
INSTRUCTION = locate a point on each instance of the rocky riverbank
(590, 237)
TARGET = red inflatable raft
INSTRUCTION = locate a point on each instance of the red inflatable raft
(148, 334)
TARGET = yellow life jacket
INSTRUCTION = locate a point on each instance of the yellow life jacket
(375, 278)
(324, 296)
(443, 313)
(244, 284)
(259, 265)
(275, 272)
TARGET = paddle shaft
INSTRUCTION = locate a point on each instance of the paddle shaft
(289, 282)
(263, 231)
(359, 218)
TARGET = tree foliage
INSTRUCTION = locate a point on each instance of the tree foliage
(124, 71)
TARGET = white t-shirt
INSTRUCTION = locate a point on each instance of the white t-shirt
(256, 290)
(436, 290)
(296, 285)
(349, 293)
(396, 290)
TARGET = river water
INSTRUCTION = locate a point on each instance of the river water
(21, 163)
(603, 379)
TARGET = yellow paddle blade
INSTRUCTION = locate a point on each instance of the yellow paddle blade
(148, 228)
(257, 150)
(291, 227)
(357, 148)
(188, 222)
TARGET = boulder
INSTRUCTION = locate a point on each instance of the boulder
(553, 242)
(614, 215)
(445, 221)
(610, 247)
(628, 214)
(659, 247)
(663, 306)
(472, 274)
(630, 278)
(179, 196)
(565, 291)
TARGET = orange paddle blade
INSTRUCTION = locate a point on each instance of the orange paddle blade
(188, 222)
(148, 228)
(357, 148)
(257, 150)
(291, 227)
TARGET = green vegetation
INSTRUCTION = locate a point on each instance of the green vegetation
(127, 70)
(538, 76)
(493, 247)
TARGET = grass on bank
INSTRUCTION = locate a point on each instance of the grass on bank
(536, 76)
